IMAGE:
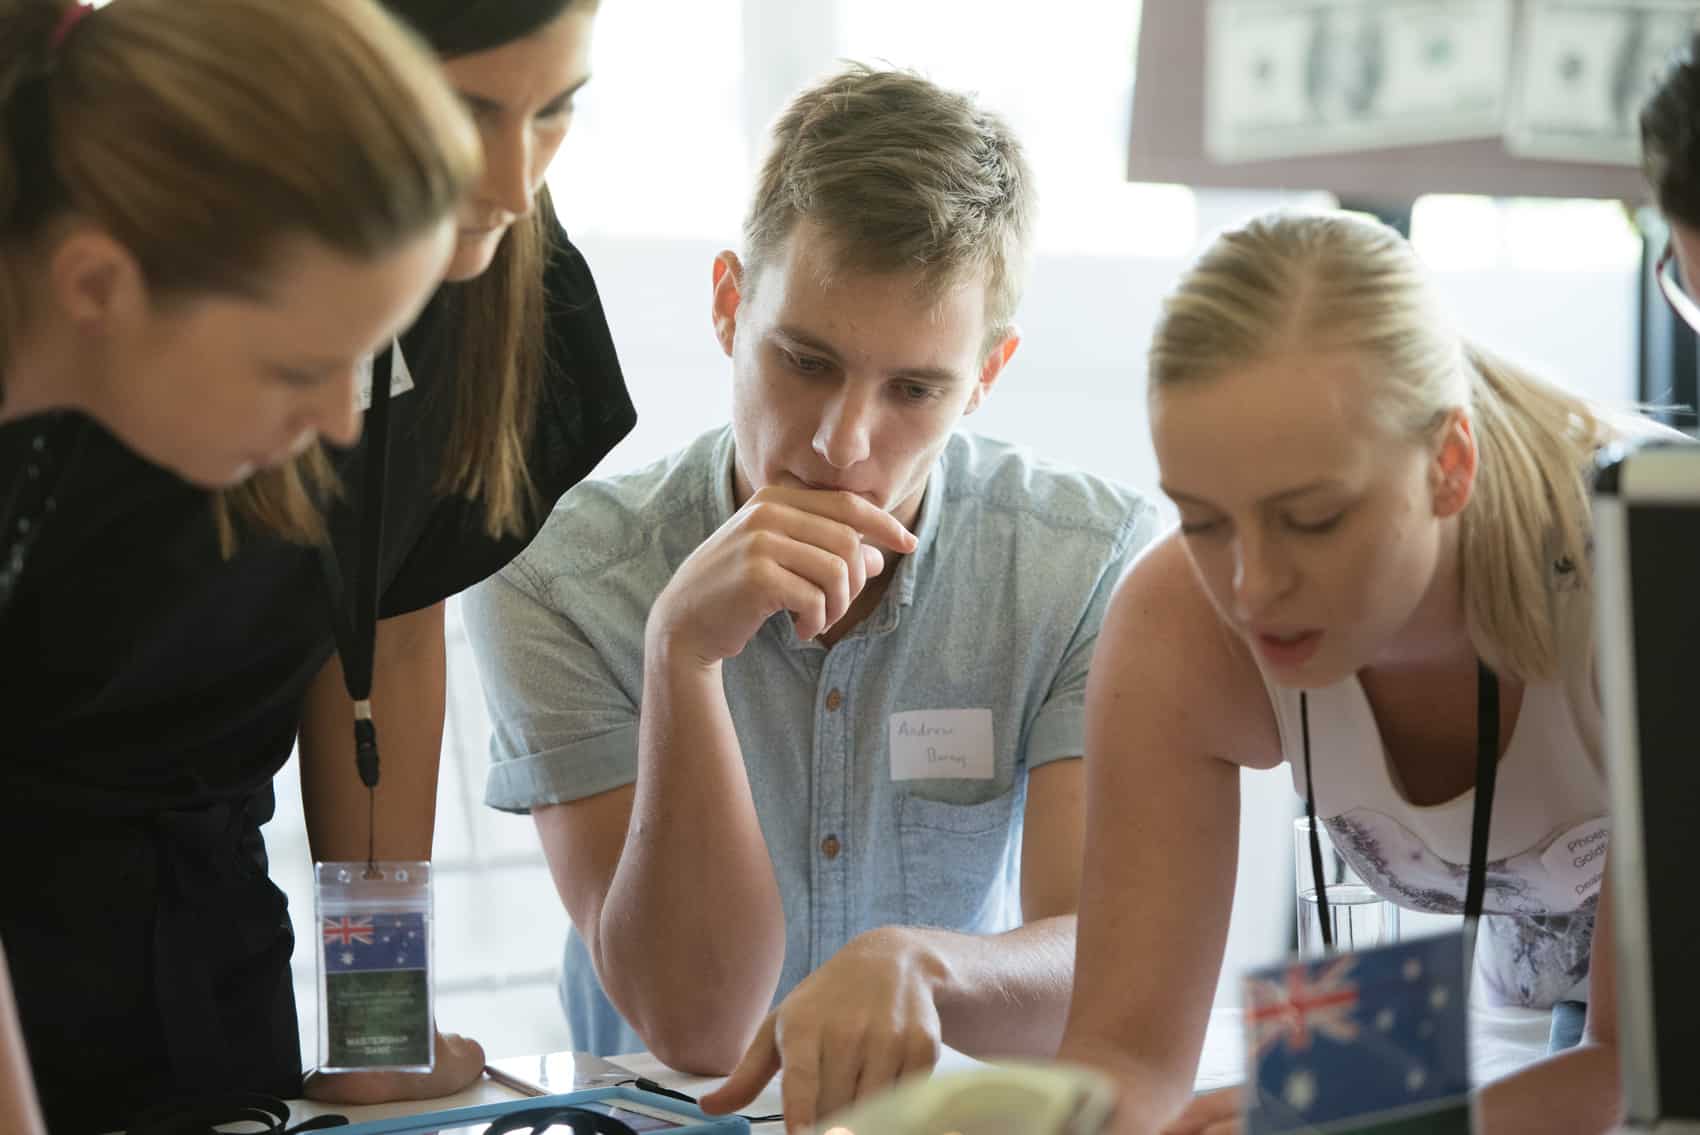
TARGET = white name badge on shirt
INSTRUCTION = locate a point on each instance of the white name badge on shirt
(401, 379)
(941, 744)
(1577, 859)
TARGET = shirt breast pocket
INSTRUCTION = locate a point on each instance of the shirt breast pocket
(958, 870)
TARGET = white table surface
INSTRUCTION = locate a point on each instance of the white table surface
(1501, 1040)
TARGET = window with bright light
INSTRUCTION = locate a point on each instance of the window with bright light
(666, 135)
(657, 146)
(1464, 233)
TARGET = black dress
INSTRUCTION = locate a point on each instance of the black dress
(150, 690)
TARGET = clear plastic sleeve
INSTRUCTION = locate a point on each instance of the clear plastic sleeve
(375, 966)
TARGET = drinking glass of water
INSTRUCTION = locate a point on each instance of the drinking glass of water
(1359, 917)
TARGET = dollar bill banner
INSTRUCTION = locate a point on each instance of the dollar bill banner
(1294, 77)
(1584, 69)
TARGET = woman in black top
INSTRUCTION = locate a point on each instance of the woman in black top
(165, 277)
(163, 649)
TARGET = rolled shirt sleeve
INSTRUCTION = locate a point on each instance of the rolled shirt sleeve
(1058, 731)
(564, 726)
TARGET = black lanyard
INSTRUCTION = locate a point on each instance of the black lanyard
(1487, 769)
(208, 1116)
(355, 618)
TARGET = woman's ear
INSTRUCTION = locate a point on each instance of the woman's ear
(96, 281)
(1452, 475)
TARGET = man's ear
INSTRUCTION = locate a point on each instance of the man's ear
(1452, 474)
(728, 294)
(96, 281)
(996, 360)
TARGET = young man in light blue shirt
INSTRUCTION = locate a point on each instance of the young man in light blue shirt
(798, 712)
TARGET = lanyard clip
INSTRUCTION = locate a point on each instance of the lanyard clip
(365, 744)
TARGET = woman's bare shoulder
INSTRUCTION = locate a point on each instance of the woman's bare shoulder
(1166, 651)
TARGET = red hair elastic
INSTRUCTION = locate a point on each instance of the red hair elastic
(67, 24)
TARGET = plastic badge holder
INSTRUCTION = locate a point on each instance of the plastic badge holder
(374, 951)
(675, 1116)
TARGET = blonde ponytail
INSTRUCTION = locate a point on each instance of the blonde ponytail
(1524, 536)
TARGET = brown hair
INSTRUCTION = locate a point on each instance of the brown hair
(1670, 137)
(903, 174)
(492, 326)
(496, 320)
(202, 133)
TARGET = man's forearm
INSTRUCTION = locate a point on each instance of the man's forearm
(1002, 994)
(691, 937)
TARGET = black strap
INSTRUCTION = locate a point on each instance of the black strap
(577, 1120)
(1316, 872)
(645, 1084)
(206, 1117)
(355, 618)
(1487, 771)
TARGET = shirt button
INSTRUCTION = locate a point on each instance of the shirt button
(833, 701)
(830, 847)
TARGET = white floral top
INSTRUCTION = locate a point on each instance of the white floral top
(1546, 848)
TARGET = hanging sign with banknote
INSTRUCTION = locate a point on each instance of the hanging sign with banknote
(1292, 77)
(1584, 69)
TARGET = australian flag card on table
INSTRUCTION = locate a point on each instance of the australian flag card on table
(1373, 1041)
(377, 990)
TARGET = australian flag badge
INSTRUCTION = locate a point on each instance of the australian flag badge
(1368, 1042)
(377, 990)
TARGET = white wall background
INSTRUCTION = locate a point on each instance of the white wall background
(652, 183)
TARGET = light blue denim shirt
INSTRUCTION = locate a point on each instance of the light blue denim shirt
(889, 772)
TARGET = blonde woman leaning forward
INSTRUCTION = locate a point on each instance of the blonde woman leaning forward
(1413, 523)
